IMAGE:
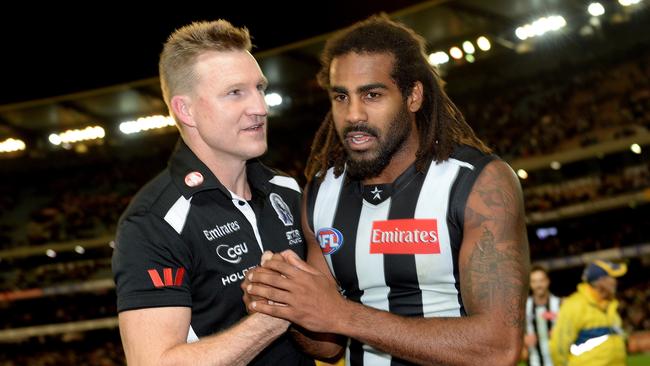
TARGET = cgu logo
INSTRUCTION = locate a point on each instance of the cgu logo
(167, 275)
(232, 254)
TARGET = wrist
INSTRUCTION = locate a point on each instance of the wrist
(344, 322)
(269, 325)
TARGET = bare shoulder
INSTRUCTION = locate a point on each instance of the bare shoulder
(496, 195)
(494, 257)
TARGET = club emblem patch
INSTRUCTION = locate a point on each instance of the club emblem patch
(193, 179)
(281, 208)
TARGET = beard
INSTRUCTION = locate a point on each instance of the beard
(370, 163)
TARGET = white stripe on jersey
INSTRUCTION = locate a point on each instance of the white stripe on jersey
(286, 182)
(248, 212)
(370, 267)
(375, 358)
(462, 163)
(177, 214)
(370, 272)
(326, 202)
(191, 336)
(436, 272)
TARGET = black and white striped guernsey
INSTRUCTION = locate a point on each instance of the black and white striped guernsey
(395, 246)
(540, 319)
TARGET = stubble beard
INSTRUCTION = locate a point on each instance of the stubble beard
(368, 164)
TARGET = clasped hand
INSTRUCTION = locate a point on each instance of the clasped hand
(285, 286)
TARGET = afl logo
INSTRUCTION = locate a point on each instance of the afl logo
(330, 240)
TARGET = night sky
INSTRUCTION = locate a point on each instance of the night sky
(55, 49)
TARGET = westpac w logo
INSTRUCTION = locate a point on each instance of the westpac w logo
(167, 275)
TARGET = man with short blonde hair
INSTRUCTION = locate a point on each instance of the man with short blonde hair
(190, 235)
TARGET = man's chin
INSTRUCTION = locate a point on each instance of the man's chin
(361, 156)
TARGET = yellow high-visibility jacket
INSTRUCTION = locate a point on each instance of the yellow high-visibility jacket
(586, 333)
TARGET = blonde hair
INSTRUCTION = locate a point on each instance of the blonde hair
(179, 54)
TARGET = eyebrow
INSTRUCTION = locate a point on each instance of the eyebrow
(263, 80)
(360, 90)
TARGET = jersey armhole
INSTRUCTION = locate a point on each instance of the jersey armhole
(311, 190)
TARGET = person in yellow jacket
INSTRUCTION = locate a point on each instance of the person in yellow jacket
(588, 328)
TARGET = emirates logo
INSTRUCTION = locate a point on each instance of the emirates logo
(405, 236)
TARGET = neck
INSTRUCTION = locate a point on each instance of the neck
(230, 171)
(540, 299)
(234, 178)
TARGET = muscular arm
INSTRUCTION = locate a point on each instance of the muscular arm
(157, 336)
(493, 265)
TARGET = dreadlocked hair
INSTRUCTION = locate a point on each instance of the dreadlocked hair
(440, 124)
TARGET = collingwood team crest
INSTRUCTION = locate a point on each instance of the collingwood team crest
(281, 208)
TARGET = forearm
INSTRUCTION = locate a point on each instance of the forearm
(236, 346)
(432, 341)
(322, 346)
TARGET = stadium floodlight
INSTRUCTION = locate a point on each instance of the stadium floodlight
(483, 43)
(11, 145)
(438, 58)
(540, 26)
(468, 47)
(146, 123)
(456, 53)
(596, 9)
(54, 139)
(273, 99)
(522, 174)
(71, 136)
(628, 2)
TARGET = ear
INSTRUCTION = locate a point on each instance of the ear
(181, 107)
(414, 101)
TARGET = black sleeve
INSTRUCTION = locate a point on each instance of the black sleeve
(151, 265)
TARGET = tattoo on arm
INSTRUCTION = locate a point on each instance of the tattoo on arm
(496, 270)
(495, 279)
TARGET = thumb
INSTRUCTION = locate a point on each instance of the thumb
(267, 255)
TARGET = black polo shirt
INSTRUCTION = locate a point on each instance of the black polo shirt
(186, 240)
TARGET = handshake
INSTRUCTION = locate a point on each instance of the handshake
(286, 287)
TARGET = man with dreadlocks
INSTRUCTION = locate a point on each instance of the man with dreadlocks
(417, 243)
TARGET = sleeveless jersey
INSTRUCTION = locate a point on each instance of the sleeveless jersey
(394, 247)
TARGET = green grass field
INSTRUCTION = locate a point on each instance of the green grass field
(642, 359)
